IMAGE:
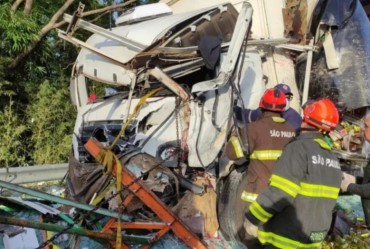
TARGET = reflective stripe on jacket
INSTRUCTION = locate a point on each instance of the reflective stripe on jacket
(265, 154)
(296, 208)
(266, 139)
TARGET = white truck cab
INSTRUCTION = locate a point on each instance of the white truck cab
(170, 76)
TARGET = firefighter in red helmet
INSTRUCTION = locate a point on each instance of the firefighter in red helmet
(321, 114)
(273, 100)
(266, 138)
(305, 183)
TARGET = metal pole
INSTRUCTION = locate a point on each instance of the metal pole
(306, 85)
(73, 230)
(37, 173)
(61, 200)
(56, 228)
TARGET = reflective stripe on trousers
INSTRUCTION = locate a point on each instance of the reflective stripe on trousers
(283, 242)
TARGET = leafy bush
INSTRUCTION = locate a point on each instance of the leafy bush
(51, 117)
(12, 149)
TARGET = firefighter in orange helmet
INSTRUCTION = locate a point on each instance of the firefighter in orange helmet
(295, 210)
(266, 138)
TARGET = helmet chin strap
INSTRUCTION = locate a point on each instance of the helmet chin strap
(314, 129)
(287, 106)
(307, 127)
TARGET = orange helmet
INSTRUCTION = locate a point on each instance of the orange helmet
(322, 114)
(273, 100)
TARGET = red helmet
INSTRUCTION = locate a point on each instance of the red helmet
(322, 114)
(273, 100)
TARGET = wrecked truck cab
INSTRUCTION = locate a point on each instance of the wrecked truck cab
(195, 54)
(123, 56)
(176, 79)
(173, 93)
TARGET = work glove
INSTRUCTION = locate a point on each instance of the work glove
(347, 179)
(250, 228)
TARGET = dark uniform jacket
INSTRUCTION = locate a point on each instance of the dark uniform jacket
(296, 208)
(293, 118)
(290, 115)
(363, 190)
(266, 139)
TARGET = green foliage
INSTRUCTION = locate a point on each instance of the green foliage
(5, 86)
(25, 141)
(51, 121)
(16, 31)
(36, 114)
(12, 147)
(5, 90)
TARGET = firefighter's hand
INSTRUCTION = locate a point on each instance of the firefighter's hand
(347, 179)
(250, 228)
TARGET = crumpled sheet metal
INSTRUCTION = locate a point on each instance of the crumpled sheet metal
(350, 83)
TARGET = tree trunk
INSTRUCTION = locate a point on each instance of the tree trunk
(28, 7)
(16, 5)
(108, 8)
(41, 34)
(53, 23)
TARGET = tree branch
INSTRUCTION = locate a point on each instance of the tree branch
(108, 8)
(57, 15)
(59, 24)
(101, 11)
(16, 5)
(28, 7)
(53, 23)
(98, 17)
(46, 29)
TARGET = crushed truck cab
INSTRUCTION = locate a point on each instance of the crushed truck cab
(161, 88)
(168, 57)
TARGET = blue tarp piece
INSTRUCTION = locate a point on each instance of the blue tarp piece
(351, 205)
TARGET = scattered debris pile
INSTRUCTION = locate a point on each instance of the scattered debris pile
(348, 229)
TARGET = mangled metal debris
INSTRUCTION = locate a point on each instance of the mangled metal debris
(158, 93)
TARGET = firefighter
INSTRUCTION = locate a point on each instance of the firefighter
(266, 138)
(295, 211)
(289, 114)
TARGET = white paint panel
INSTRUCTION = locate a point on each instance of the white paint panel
(143, 11)
(286, 74)
(271, 27)
(251, 83)
(206, 137)
(99, 68)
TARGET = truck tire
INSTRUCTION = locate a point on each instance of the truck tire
(230, 207)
